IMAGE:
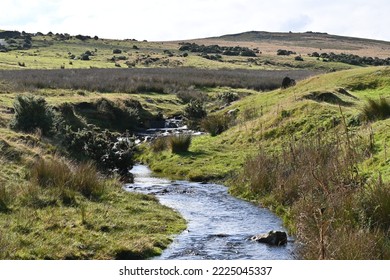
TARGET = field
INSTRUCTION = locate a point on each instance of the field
(322, 139)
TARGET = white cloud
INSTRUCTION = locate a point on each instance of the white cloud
(174, 19)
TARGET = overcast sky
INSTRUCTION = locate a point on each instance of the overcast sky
(155, 20)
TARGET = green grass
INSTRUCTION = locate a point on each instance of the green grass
(123, 226)
(57, 215)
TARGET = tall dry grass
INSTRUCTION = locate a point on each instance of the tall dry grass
(162, 80)
(65, 179)
(334, 211)
(376, 109)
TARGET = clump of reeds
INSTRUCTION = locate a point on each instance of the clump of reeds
(179, 143)
(376, 109)
(66, 179)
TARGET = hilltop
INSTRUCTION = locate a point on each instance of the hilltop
(249, 50)
(307, 42)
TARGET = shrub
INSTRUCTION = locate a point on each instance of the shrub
(288, 82)
(215, 124)
(84, 56)
(284, 52)
(117, 51)
(195, 110)
(180, 143)
(107, 150)
(376, 109)
(32, 113)
(228, 97)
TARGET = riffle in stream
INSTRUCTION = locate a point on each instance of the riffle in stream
(219, 225)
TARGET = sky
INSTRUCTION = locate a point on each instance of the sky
(155, 20)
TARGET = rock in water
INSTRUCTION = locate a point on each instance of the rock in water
(274, 238)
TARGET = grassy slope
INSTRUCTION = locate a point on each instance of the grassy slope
(121, 225)
(267, 119)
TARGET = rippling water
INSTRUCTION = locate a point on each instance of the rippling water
(219, 225)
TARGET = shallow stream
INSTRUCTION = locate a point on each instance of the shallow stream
(219, 225)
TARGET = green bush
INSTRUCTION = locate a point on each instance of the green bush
(194, 112)
(377, 109)
(32, 113)
(107, 150)
(228, 97)
(180, 143)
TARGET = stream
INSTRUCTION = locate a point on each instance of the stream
(219, 225)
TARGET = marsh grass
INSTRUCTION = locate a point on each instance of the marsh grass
(159, 144)
(180, 143)
(67, 180)
(376, 109)
(335, 212)
(159, 80)
(216, 124)
(375, 203)
(6, 198)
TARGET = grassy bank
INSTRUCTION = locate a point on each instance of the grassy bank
(51, 208)
(311, 154)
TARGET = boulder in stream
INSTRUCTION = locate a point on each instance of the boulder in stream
(274, 238)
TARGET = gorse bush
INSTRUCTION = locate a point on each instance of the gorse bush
(377, 109)
(32, 113)
(107, 150)
(228, 97)
(194, 112)
(180, 143)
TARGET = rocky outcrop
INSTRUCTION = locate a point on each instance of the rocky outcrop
(274, 238)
